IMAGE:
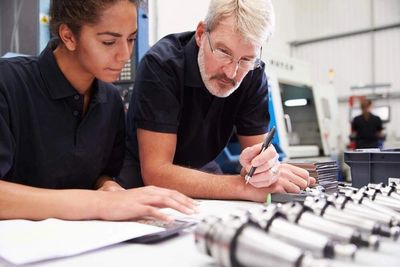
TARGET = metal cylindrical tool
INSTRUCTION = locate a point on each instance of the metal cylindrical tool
(387, 190)
(347, 204)
(275, 223)
(328, 211)
(361, 198)
(378, 197)
(233, 242)
(396, 186)
(303, 216)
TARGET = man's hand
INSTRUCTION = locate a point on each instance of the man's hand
(144, 202)
(294, 178)
(270, 171)
(286, 183)
(266, 172)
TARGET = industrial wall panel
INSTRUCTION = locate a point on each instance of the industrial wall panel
(316, 18)
(349, 58)
(387, 67)
(386, 12)
(171, 19)
(387, 58)
(285, 19)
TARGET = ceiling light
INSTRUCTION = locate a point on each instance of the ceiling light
(296, 102)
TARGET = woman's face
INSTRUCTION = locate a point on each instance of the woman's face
(103, 49)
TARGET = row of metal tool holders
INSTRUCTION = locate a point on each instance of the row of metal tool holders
(310, 233)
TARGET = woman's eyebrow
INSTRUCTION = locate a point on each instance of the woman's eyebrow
(114, 34)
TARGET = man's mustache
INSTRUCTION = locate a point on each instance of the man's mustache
(223, 77)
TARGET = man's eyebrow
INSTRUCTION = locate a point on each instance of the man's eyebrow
(114, 34)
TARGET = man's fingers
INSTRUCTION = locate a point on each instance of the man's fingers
(296, 175)
(248, 154)
(267, 165)
(298, 171)
(289, 187)
(267, 178)
(266, 156)
(294, 179)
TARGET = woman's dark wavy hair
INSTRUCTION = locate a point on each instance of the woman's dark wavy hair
(76, 13)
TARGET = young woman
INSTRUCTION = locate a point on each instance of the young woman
(62, 128)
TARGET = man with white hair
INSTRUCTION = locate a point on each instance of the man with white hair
(191, 90)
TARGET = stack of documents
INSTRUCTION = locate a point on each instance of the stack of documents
(325, 172)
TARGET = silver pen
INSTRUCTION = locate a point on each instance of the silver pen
(267, 142)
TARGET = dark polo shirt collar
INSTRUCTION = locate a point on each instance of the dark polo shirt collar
(55, 79)
(192, 71)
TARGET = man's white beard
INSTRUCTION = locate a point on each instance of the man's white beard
(213, 88)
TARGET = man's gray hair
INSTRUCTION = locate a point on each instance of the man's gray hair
(254, 19)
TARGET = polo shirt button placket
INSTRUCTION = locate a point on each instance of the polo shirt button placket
(76, 97)
(76, 113)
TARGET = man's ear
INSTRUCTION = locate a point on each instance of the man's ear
(200, 30)
(67, 37)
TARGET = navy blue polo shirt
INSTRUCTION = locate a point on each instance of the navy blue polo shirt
(169, 96)
(44, 139)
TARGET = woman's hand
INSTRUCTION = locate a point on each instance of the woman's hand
(144, 202)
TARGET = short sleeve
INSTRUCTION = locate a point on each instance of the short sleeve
(7, 141)
(155, 100)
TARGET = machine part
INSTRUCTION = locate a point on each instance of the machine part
(361, 198)
(273, 221)
(378, 197)
(303, 216)
(204, 234)
(347, 204)
(387, 190)
(359, 204)
(231, 242)
(328, 211)
(396, 186)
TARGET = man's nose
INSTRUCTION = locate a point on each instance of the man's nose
(231, 69)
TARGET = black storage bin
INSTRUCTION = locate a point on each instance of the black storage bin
(373, 166)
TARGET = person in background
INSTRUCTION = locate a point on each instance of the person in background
(191, 90)
(366, 129)
(62, 124)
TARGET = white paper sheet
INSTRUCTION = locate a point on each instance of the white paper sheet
(23, 241)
